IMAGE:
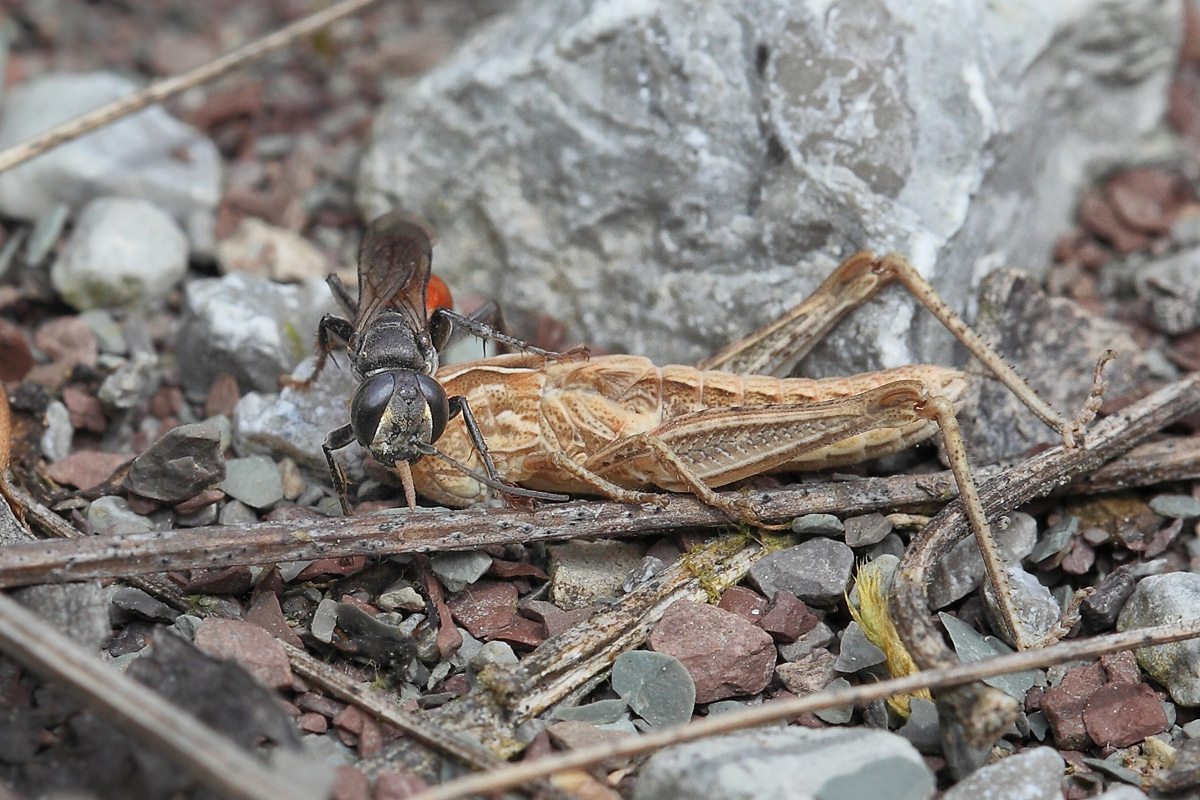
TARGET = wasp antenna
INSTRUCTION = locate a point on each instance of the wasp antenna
(503, 488)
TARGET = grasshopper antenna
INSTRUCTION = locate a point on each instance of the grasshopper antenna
(514, 491)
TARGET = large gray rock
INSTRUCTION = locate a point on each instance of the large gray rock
(667, 175)
(1171, 599)
(788, 764)
(123, 252)
(149, 155)
(249, 327)
(1034, 774)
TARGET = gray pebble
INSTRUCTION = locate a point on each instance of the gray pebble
(867, 529)
(470, 647)
(838, 715)
(857, 652)
(793, 763)
(78, 610)
(1034, 774)
(132, 383)
(458, 570)
(1192, 729)
(817, 525)
(1175, 506)
(817, 571)
(324, 620)
(183, 463)
(1171, 599)
(492, 653)
(890, 545)
(44, 235)
(1055, 539)
(643, 571)
(254, 480)
(186, 625)
(134, 603)
(819, 636)
(970, 645)
(402, 596)
(209, 515)
(962, 571)
(922, 727)
(235, 512)
(109, 337)
(122, 253)
(57, 438)
(601, 712)
(1034, 604)
(656, 686)
(109, 515)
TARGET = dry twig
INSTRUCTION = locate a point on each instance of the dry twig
(402, 532)
(164, 89)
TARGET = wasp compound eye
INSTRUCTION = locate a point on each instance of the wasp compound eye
(439, 406)
(370, 401)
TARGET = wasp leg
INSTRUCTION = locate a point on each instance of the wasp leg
(341, 294)
(336, 440)
(339, 327)
(475, 327)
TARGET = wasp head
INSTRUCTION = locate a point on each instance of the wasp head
(394, 413)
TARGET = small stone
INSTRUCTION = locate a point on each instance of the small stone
(68, 341)
(78, 610)
(135, 604)
(111, 515)
(396, 784)
(252, 329)
(643, 571)
(584, 573)
(817, 525)
(600, 712)
(487, 608)
(744, 602)
(866, 530)
(580, 735)
(809, 674)
(1175, 506)
(818, 637)
(16, 357)
(235, 512)
(324, 621)
(922, 727)
(121, 253)
(270, 252)
(962, 571)
(1121, 714)
(492, 653)
(132, 383)
(176, 168)
(401, 596)
(47, 229)
(86, 411)
(1034, 774)
(551, 616)
(1035, 606)
(857, 652)
(183, 463)
(108, 334)
(312, 723)
(789, 763)
(260, 653)
(56, 446)
(970, 645)
(656, 686)
(458, 570)
(1171, 599)
(85, 469)
(787, 618)
(291, 478)
(725, 654)
(817, 571)
(1055, 539)
(1099, 611)
(838, 715)
(254, 480)
(267, 614)
(1064, 705)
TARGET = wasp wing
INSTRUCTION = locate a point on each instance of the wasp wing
(394, 269)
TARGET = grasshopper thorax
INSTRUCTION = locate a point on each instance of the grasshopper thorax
(397, 411)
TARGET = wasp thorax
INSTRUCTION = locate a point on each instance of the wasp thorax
(395, 412)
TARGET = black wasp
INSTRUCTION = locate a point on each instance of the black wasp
(399, 410)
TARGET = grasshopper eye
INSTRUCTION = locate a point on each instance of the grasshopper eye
(370, 401)
(439, 406)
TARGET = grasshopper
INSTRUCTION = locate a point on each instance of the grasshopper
(620, 427)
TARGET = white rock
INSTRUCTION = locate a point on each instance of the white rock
(1171, 599)
(122, 253)
(57, 438)
(667, 175)
(149, 155)
(271, 252)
